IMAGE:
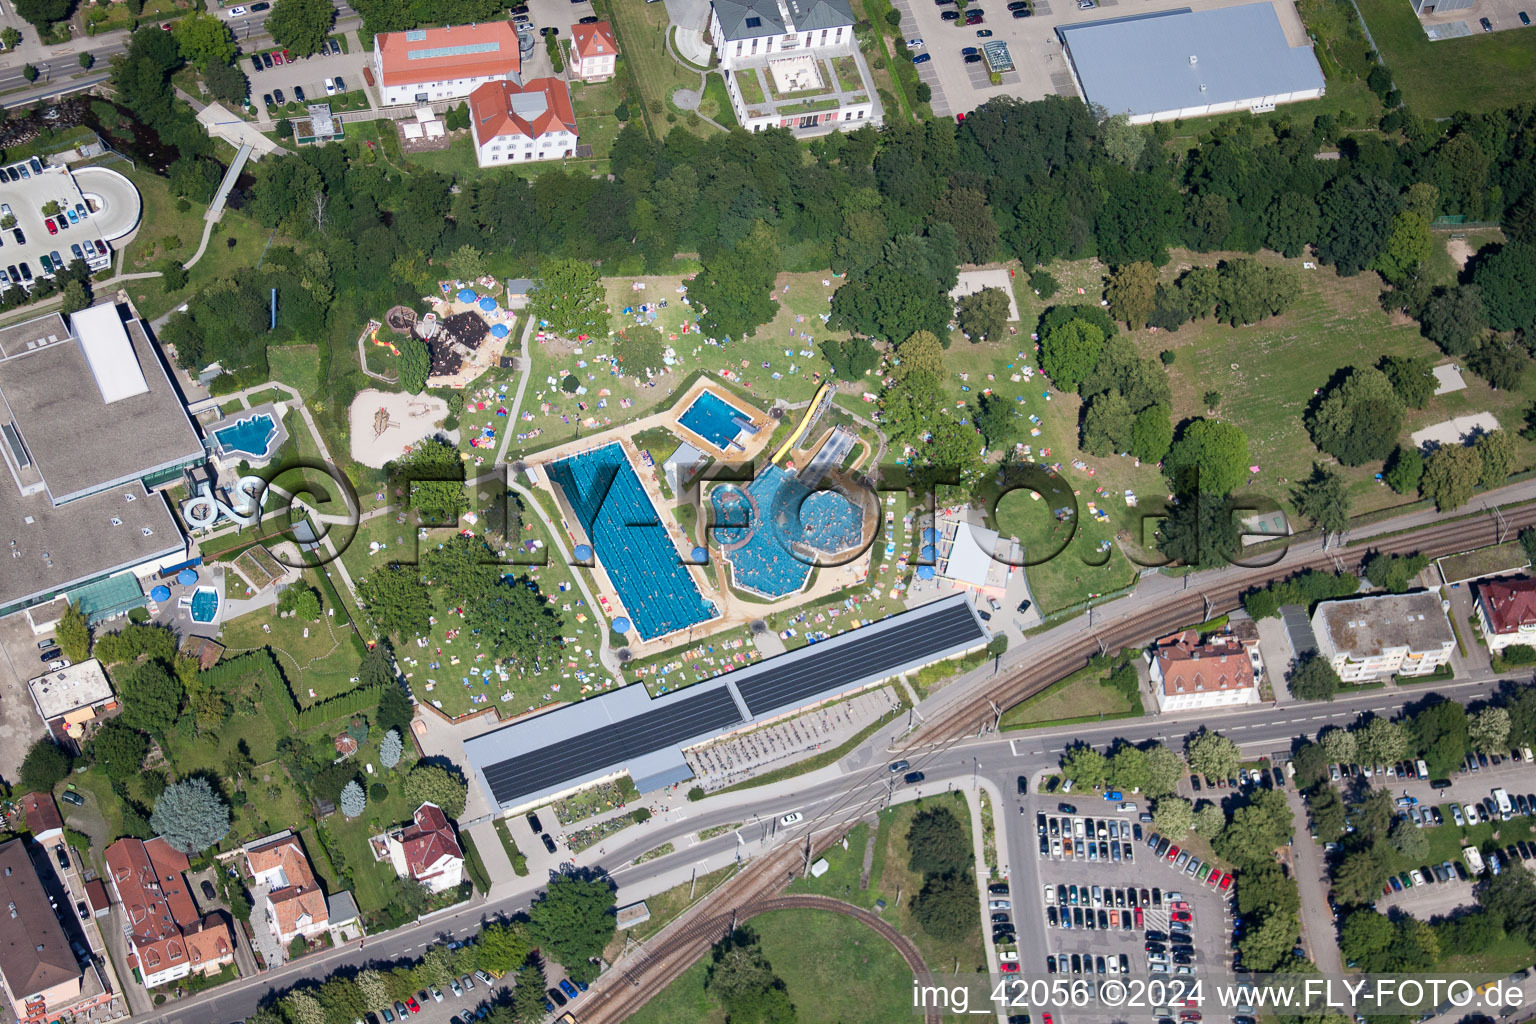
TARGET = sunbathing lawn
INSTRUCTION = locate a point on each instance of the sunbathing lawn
(318, 666)
(1082, 694)
(1476, 73)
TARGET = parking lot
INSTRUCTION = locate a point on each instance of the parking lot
(308, 74)
(1040, 66)
(35, 236)
(472, 1001)
(1141, 912)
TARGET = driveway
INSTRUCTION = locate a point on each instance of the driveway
(19, 724)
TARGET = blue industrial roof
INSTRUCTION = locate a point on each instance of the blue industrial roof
(1172, 60)
(626, 730)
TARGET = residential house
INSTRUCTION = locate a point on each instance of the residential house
(426, 850)
(167, 938)
(1383, 635)
(1507, 610)
(43, 819)
(1194, 671)
(428, 64)
(780, 60)
(594, 54)
(513, 122)
(288, 894)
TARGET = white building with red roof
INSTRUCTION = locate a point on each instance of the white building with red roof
(514, 123)
(1193, 671)
(1507, 611)
(427, 850)
(167, 938)
(428, 64)
(594, 53)
(286, 890)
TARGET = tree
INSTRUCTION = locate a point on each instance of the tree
(1450, 476)
(1327, 812)
(946, 906)
(1212, 754)
(43, 13)
(1070, 352)
(300, 1005)
(1357, 216)
(850, 358)
(1407, 246)
(528, 996)
(430, 783)
(504, 947)
(1408, 840)
(1164, 770)
(733, 289)
(1359, 419)
(1381, 741)
(983, 315)
(1507, 280)
(1404, 470)
(415, 364)
(301, 599)
(1152, 433)
(998, 419)
(1359, 876)
(1247, 291)
(1500, 362)
(1440, 735)
(1210, 456)
(466, 262)
(966, 210)
(1395, 573)
(75, 298)
(573, 922)
(1084, 766)
(390, 749)
(1412, 378)
(1200, 530)
(151, 698)
(1323, 499)
(190, 815)
(1488, 730)
(300, 25)
(1128, 767)
(1268, 945)
(73, 634)
(119, 748)
(205, 40)
(45, 766)
(226, 82)
(353, 800)
(1209, 820)
(937, 843)
(372, 988)
(1497, 450)
(1107, 424)
(568, 298)
(1455, 319)
(1132, 293)
(1338, 744)
(920, 353)
(397, 600)
(10, 38)
(1173, 815)
(1313, 679)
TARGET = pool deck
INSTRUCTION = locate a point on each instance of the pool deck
(233, 455)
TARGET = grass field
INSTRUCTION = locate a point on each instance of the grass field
(1496, 558)
(641, 31)
(1082, 694)
(1475, 73)
(834, 969)
(318, 666)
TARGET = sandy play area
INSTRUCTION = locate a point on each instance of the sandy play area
(1456, 431)
(385, 424)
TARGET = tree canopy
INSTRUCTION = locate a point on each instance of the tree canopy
(573, 921)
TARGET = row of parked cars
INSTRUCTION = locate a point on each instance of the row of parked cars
(1082, 838)
(25, 169)
(1166, 850)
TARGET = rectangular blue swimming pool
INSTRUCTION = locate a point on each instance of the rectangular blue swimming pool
(630, 541)
(714, 419)
(251, 435)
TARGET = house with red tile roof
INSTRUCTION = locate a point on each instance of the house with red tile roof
(288, 893)
(43, 819)
(513, 123)
(594, 53)
(428, 64)
(167, 938)
(1191, 670)
(1506, 609)
(426, 850)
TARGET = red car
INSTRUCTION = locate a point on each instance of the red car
(959, 118)
(412, 1005)
(1138, 917)
(1173, 854)
(51, 229)
(1008, 967)
(1215, 879)
(1190, 1015)
(1181, 915)
(287, 56)
(1226, 883)
(1178, 905)
(277, 57)
(1045, 1018)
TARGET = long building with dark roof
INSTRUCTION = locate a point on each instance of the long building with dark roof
(625, 731)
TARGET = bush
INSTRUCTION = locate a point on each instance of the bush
(1167, 356)
(1043, 284)
(924, 92)
(640, 815)
(378, 792)
(696, 793)
(893, 18)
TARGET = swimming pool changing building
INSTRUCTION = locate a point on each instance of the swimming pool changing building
(90, 426)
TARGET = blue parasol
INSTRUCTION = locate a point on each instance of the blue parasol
(583, 553)
(466, 295)
(160, 594)
(499, 330)
(187, 577)
(621, 625)
(488, 304)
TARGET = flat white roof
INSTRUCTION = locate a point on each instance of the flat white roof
(69, 689)
(108, 352)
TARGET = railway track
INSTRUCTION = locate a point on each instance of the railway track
(757, 889)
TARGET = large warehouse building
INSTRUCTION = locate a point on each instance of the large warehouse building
(1183, 63)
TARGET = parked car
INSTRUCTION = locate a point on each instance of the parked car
(1487, 25)
(549, 844)
(71, 797)
(341, 84)
(922, 58)
(298, 93)
(277, 94)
